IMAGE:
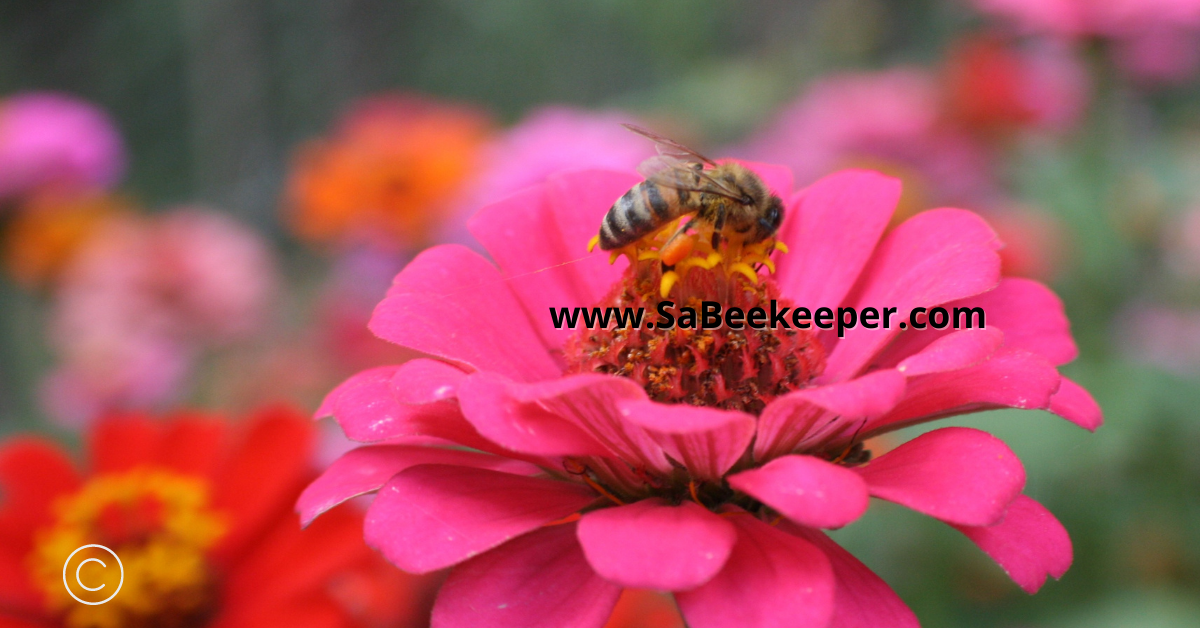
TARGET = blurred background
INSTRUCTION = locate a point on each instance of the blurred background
(201, 201)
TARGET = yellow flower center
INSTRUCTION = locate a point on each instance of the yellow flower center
(158, 523)
(681, 251)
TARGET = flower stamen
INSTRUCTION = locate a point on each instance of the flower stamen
(580, 470)
(161, 526)
(681, 251)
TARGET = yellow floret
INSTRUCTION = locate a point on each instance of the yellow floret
(733, 258)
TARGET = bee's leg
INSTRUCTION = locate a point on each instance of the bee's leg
(718, 227)
(855, 448)
(674, 249)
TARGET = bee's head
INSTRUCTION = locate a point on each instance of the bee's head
(771, 217)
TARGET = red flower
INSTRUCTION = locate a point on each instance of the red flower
(994, 86)
(199, 514)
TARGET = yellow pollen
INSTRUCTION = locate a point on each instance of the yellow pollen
(159, 524)
(669, 279)
(734, 257)
(707, 263)
(744, 268)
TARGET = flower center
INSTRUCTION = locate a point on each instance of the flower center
(159, 524)
(734, 369)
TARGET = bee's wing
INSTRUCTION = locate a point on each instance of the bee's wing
(670, 148)
(683, 175)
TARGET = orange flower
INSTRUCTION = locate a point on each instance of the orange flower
(389, 174)
(201, 520)
(49, 229)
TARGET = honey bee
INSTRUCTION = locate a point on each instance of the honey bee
(729, 197)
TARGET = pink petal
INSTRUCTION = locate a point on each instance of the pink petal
(369, 377)
(451, 303)
(540, 580)
(705, 440)
(771, 580)
(831, 228)
(433, 516)
(954, 351)
(366, 469)
(368, 410)
(1076, 405)
(863, 599)
(496, 408)
(425, 381)
(824, 412)
(539, 239)
(651, 545)
(807, 490)
(956, 474)
(934, 257)
(1029, 544)
(579, 201)
(1010, 379)
(1031, 316)
(571, 416)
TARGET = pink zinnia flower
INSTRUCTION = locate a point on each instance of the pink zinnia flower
(891, 120)
(535, 148)
(1094, 17)
(142, 297)
(106, 370)
(49, 139)
(551, 468)
(1157, 40)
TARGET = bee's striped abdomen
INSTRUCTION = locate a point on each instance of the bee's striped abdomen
(644, 208)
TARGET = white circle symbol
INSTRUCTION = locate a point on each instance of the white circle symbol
(81, 584)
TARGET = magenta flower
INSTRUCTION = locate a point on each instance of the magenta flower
(1089, 17)
(133, 370)
(49, 139)
(534, 149)
(1156, 40)
(891, 120)
(553, 467)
